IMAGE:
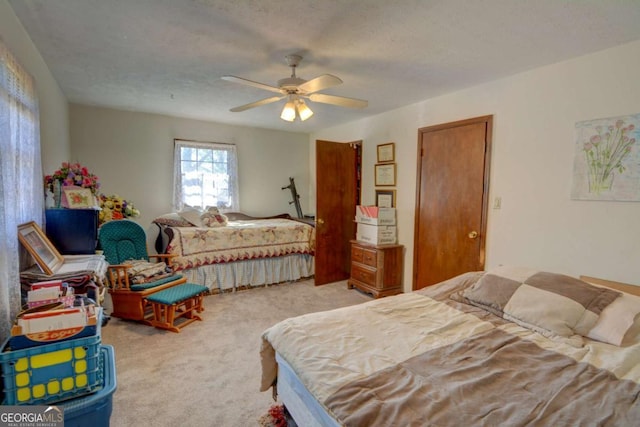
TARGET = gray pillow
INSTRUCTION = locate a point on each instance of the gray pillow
(172, 220)
(548, 303)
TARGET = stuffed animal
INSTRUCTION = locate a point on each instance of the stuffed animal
(213, 218)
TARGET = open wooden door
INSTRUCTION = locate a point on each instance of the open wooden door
(337, 193)
(451, 200)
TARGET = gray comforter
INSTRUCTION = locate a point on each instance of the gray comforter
(423, 359)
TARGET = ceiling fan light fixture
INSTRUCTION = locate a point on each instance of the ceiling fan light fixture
(289, 112)
(304, 111)
(294, 89)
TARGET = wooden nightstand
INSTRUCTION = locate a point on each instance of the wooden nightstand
(376, 269)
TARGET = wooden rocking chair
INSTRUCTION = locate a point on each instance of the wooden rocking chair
(121, 241)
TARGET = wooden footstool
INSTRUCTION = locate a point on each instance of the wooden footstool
(177, 302)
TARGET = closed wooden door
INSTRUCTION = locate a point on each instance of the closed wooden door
(337, 192)
(452, 197)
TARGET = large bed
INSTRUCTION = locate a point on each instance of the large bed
(506, 347)
(246, 251)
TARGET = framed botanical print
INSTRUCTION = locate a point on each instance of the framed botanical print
(386, 153)
(40, 247)
(385, 174)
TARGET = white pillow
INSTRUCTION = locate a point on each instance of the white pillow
(192, 215)
(616, 320)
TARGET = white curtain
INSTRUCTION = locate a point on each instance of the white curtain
(232, 165)
(21, 187)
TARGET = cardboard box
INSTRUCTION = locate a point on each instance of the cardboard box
(42, 293)
(52, 320)
(21, 340)
(375, 216)
(376, 234)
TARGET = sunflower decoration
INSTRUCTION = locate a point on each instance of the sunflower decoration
(115, 207)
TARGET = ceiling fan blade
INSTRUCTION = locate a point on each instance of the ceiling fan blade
(251, 83)
(338, 100)
(322, 82)
(256, 104)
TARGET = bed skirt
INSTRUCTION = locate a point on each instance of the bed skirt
(253, 272)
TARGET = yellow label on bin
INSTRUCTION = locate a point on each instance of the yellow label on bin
(67, 384)
(81, 380)
(23, 394)
(22, 380)
(38, 391)
(79, 352)
(53, 387)
(22, 364)
(81, 366)
(49, 359)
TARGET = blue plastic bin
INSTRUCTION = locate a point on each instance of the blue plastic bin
(53, 372)
(95, 409)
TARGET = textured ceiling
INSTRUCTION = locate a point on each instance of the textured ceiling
(168, 56)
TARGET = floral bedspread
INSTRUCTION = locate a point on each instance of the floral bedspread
(240, 240)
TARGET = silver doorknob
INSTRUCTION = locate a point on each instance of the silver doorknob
(473, 235)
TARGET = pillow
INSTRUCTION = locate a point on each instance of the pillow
(549, 303)
(192, 215)
(632, 336)
(616, 321)
(172, 220)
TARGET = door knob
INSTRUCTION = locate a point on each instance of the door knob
(473, 235)
(320, 221)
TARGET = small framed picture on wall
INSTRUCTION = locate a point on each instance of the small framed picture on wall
(385, 175)
(386, 198)
(386, 152)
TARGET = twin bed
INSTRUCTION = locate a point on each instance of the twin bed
(510, 346)
(246, 251)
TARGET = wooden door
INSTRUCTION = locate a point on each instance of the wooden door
(337, 192)
(451, 200)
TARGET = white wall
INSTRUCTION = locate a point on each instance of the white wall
(132, 154)
(54, 121)
(532, 163)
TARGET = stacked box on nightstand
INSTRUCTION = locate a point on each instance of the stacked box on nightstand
(375, 225)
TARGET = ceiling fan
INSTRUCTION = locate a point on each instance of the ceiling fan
(296, 90)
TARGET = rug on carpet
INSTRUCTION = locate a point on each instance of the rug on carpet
(277, 416)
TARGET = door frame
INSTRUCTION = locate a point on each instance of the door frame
(488, 120)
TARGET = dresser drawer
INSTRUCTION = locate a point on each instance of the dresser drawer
(357, 254)
(370, 257)
(363, 274)
(364, 255)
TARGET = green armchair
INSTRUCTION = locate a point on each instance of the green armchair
(123, 241)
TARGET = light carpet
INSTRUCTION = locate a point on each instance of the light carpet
(208, 374)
